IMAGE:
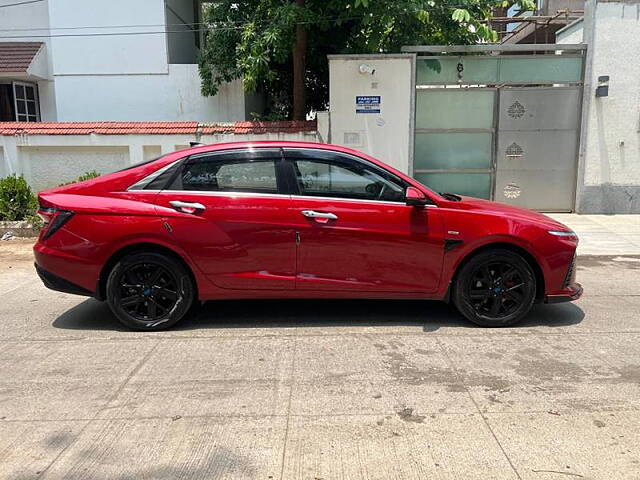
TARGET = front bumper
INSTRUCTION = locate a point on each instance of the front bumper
(571, 293)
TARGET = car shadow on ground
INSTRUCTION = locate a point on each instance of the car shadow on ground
(429, 315)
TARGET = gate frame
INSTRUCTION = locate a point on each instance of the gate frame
(496, 51)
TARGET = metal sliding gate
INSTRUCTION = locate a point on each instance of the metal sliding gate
(502, 127)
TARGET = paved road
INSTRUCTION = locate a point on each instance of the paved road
(320, 390)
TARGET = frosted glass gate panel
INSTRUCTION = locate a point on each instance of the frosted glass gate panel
(454, 140)
(454, 108)
(453, 150)
(502, 126)
(505, 70)
(537, 147)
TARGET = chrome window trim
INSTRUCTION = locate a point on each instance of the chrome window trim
(278, 195)
(360, 200)
(348, 199)
(218, 193)
(140, 184)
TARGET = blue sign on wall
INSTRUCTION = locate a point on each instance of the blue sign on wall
(368, 103)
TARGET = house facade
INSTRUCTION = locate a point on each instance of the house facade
(609, 167)
(538, 26)
(122, 60)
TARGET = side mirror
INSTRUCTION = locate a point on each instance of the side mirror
(415, 198)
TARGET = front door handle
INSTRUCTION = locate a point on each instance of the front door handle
(187, 207)
(320, 215)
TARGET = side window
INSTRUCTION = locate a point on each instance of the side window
(228, 173)
(345, 179)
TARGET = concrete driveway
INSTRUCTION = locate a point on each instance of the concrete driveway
(320, 390)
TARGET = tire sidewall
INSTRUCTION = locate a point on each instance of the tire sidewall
(466, 308)
(186, 291)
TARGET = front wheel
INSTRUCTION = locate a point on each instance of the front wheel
(495, 288)
(149, 291)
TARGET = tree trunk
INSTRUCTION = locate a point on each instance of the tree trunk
(299, 68)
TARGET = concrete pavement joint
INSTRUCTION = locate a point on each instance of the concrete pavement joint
(473, 400)
(499, 333)
(135, 370)
(560, 412)
(288, 415)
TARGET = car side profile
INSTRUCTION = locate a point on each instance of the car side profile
(293, 220)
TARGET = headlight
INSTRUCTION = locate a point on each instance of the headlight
(567, 235)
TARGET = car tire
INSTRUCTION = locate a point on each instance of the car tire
(149, 291)
(495, 288)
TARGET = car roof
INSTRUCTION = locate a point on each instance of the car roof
(269, 143)
(283, 144)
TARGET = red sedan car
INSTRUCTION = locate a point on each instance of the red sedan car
(293, 220)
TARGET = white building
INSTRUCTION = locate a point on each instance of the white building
(122, 60)
(609, 166)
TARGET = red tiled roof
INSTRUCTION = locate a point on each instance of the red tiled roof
(258, 127)
(15, 57)
(153, 128)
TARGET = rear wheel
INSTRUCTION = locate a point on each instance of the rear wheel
(495, 288)
(149, 291)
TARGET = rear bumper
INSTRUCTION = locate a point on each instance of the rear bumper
(62, 271)
(573, 292)
(59, 284)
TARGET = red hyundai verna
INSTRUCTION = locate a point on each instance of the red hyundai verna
(293, 220)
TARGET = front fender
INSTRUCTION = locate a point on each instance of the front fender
(476, 230)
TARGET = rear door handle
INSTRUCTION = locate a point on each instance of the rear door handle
(320, 215)
(187, 207)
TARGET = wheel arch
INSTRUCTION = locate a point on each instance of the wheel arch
(530, 259)
(146, 247)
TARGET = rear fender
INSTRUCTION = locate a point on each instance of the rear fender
(148, 243)
(133, 240)
(142, 205)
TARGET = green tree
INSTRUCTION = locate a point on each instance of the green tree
(279, 47)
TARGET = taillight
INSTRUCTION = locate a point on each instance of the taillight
(53, 219)
(46, 214)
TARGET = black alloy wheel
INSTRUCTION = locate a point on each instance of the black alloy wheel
(495, 288)
(149, 291)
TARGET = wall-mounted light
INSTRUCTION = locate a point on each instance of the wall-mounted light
(602, 90)
(367, 69)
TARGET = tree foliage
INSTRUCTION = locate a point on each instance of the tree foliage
(253, 39)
